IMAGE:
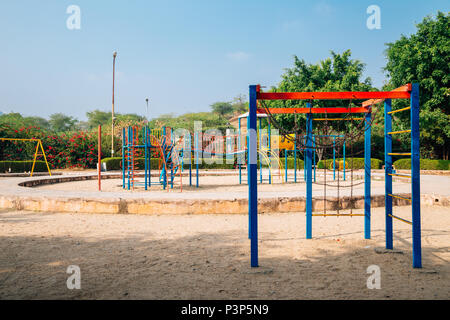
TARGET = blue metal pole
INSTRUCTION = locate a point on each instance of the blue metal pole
(415, 174)
(248, 143)
(285, 166)
(197, 158)
(165, 158)
(150, 157)
(252, 177)
(387, 172)
(344, 157)
(171, 175)
(314, 152)
(270, 152)
(239, 156)
(123, 157)
(367, 170)
(308, 173)
(146, 158)
(130, 139)
(334, 158)
(190, 168)
(248, 176)
(295, 159)
(190, 160)
(260, 151)
(304, 160)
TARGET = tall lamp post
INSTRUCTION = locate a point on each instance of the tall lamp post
(112, 114)
(146, 100)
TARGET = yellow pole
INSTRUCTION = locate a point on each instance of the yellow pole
(45, 158)
(34, 159)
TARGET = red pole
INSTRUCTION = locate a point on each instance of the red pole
(99, 158)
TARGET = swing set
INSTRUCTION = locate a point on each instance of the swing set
(39, 147)
(409, 91)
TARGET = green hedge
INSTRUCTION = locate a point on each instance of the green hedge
(116, 164)
(425, 164)
(22, 166)
(358, 163)
(291, 163)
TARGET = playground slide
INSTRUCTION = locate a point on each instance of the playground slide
(268, 161)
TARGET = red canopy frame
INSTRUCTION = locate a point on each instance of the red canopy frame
(374, 97)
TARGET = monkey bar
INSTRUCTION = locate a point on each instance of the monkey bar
(409, 91)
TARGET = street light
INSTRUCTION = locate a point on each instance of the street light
(112, 114)
(146, 100)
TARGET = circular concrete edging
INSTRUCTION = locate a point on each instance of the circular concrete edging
(20, 199)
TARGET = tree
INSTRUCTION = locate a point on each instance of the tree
(424, 57)
(60, 122)
(97, 117)
(130, 117)
(17, 121)
(239, 104)
(38, 121)
(337, 73)
(222, 108)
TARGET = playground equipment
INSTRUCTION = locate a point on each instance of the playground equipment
(158, 142)
(36, 152)
(269, 152)
(295, 150)
(409, 91)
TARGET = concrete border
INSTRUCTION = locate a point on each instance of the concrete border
(17, 194)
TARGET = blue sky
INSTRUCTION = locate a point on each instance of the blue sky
(183, 55)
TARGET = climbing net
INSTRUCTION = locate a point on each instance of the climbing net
(298, 136)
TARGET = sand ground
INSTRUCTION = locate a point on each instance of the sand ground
(213, 186)
(207, 257)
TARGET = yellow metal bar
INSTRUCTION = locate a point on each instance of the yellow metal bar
(397, 132)
(45, 158)
(399, 154)
(399, 110)
(401, 219)
(399, 175)
(398, 197)
(34, 159)
(337, 119)
(14, 139)
(338, 215)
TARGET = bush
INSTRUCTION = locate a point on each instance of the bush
(116, 164)
(291, 163)
(358, 163)
(22, 166)
(320, 164)
(425, 164)
(63, 150)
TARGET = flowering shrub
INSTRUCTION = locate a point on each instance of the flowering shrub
(74, 150)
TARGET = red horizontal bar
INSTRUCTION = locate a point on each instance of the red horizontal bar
(315, 110)
(332, 95)
(371, 102)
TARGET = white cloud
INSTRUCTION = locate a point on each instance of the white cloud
(238, 56)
